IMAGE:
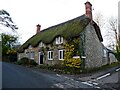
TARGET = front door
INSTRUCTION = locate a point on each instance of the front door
(40, 58)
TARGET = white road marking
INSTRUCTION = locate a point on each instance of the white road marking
(70, 85)
(77, 81)
(117, 69)
(90, 85)
(87, 83)
(95, 83)
(72, 79)
(59, 85)
(103, 76)
(58, 75)
(66, 77)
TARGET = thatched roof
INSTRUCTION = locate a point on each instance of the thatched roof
(68, 29)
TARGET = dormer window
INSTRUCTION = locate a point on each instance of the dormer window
(41, 44)
(30, 47)
(59, 40)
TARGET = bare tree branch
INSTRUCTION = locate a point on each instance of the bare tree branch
(112, 25)
(99, 19)
(6, 20)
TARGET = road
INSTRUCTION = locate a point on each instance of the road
(112, 81)
(106, 79)
(16, 76)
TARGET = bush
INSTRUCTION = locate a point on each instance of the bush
(32, 62)
(43, 66)
(26, 61)
(23, 61)
(19, 63)
(117, 55)
(58, 66)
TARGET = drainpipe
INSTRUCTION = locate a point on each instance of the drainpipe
(82, 49)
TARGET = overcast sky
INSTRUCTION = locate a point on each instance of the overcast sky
(28, 13)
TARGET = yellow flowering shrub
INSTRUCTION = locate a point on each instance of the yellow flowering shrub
(11, 51)
(71, 49)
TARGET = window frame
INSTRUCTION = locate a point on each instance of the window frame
(50, 55)
(104, 53)
(41, 44)
(61, 57)
(59, 40)
(32, 55)
(27, 55)
(19, 56)
(30, 47)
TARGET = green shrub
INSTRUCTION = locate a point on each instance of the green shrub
(32, 62)
(19, 62)
(58, 66)
(42, 66)
(117, 55)
(23, 61)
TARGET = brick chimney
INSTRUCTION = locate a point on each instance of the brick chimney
(38, 28)
(88, 10)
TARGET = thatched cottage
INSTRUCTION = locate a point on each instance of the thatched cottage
(47, 46)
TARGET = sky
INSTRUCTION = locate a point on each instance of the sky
(28, 13)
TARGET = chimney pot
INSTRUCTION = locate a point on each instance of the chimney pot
(38, 28)
(88, 8)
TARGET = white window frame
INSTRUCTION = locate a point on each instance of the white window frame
(30, 47)
(59, 40)
(105, 53)
(27, 54)
(41, 44)
(19, 56)
(32, 55)
(51, 56)
(62, 55)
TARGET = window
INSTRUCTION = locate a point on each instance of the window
(61, 54)
(27, 54)
(30, 47)
(105, 53)
(19, 56)
(32, 55)
(59, 40)
(41, 44)
(50, 55)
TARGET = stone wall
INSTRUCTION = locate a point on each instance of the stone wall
(50, 47)
(112, 58)
(93, 48)
(55, 48)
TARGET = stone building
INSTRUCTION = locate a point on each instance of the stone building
(47, 46)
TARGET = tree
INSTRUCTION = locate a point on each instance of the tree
(6, 20)
(99, 19)
(112, 25)
(9, 43)
(112, 32)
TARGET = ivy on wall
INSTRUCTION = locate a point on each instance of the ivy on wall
(71, 50)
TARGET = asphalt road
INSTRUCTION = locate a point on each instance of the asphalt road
(111, 82)
(16, 76)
